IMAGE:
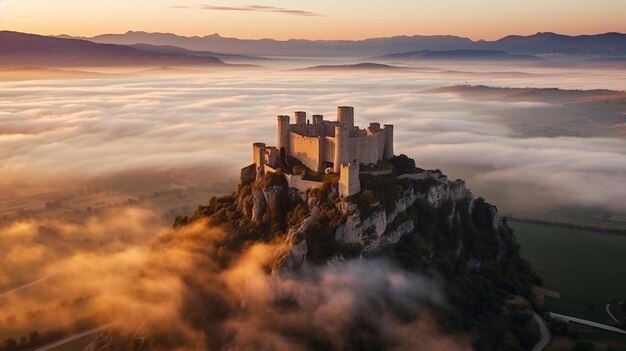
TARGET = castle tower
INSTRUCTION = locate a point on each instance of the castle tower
(388, 152)
(345, 116)
(349, 183)
(258, 156)
(318, 120)
(282, 136)
(341, 147)
(300, 118)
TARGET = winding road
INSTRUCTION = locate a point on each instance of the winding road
(586, 322)
(545, 333)
(608, 311)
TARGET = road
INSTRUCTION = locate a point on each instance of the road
(73, 337)
(34, 282)
(586, 322)
(608, 310)
(545, 333)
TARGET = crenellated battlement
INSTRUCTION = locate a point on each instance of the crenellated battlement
(324, 145)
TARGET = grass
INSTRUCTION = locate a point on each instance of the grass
(587, 216)
(601, 339)
(587, 268)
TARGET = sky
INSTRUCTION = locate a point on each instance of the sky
(320, 19)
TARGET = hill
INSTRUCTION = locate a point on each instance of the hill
(580, 113)
(413, 261)
(28, 50)
(366, 66)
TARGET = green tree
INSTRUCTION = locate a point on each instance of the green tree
(403, 164)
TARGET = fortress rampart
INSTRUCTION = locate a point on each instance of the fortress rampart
(326, 146)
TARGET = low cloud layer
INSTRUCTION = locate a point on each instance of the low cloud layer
(198, 129)
(181, 287)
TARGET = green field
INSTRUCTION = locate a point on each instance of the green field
(584, 216)
(587, 268)
(602, 339)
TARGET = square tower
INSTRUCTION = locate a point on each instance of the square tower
(349, 182)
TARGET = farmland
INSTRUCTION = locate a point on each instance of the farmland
(586, 268)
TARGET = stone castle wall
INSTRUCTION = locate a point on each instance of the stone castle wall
(329, 149)
(367, 149)
(308, 150)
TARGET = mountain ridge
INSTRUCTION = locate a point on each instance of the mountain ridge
(461, 54)
(25, 50)
(611, 43)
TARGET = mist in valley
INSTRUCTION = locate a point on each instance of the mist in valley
(94, 170)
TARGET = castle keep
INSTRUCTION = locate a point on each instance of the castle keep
(324, 147)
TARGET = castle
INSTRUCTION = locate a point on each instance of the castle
(324, 147)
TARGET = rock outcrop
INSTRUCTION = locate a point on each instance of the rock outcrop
(364, 223)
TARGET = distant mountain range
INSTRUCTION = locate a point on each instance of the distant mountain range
(608, 44)
(28, 50)
(169, 50)
(464, 55)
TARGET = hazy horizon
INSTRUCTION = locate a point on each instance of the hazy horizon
(483, 19)
(217, 33)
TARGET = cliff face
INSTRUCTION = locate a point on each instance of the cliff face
(388, 209)
(384, 228)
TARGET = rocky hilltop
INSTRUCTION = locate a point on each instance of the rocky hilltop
(389, 209)
(417, 219)
(412, 262)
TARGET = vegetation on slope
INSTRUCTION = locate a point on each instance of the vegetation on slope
(479, 264)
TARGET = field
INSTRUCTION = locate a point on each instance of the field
(587, 268)
(602, 340)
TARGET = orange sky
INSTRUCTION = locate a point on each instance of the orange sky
(320, 19)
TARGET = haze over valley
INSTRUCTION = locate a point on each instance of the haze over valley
(105, 140)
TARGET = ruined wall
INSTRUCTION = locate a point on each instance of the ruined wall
(296, 181)
(272, 155)
(308, 150)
